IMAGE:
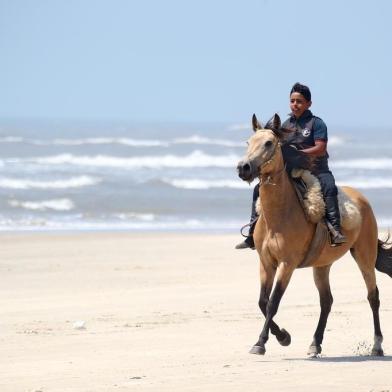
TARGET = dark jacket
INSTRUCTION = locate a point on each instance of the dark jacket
(306, 130)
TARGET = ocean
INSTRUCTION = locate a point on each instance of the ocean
(62, 175)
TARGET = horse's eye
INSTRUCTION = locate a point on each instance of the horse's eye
(268, 144)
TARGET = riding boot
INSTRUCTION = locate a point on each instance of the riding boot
(333, 217)
(248, 242)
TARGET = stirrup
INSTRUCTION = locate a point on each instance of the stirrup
(338, 239)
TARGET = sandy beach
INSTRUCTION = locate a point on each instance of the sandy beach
(170, 312)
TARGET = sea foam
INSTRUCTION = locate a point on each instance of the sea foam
(73, 182)
(107, 140)
(195, 159)
(196, 139)
(366, 183)
(131, 142)
(383, 163)
(54, 204)
(205, 184)
(87, 141)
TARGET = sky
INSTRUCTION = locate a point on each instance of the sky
(196, 60)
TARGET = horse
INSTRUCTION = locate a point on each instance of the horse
(283, 235)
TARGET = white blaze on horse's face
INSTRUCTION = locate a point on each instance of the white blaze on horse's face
(261, 148)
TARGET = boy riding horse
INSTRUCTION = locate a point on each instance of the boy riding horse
(309, 135)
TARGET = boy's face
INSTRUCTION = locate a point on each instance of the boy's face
(298, 104)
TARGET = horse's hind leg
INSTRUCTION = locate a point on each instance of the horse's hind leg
(365, 259)
(321, 279)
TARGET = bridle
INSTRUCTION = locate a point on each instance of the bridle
(268, 180)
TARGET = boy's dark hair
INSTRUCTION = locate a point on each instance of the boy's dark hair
(303, 90)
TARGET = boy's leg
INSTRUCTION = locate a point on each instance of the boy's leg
(330, 193)
(248, 242)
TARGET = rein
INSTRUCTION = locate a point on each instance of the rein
(248, 225)
(268, 180)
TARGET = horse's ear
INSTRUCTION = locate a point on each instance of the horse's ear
(255, 123)
(274, 123)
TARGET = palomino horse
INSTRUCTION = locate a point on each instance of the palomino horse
(283, 235)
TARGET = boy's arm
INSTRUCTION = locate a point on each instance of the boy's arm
(320, 139)
(318, 150)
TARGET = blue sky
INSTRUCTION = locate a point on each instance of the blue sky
(194, 61)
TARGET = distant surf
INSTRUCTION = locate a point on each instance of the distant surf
(26, 183)
(180, 177)
(43, 205)
(193, 139)
(195, 159)
(384, 163)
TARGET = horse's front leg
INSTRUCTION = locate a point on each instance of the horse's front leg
(266, 279)
(284, 275)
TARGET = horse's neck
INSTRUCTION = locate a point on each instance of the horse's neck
(279, 202)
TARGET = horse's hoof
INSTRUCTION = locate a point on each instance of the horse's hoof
(287, 338)
(377, 352)
(314, 351)
(259, 350)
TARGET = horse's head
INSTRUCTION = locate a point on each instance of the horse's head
(263, 153)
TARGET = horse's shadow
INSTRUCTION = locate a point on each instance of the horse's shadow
(349, 358)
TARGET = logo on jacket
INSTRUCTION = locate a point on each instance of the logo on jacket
(305, 132)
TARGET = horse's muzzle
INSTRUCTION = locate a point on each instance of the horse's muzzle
(245, 171)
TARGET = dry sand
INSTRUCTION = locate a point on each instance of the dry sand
(169, 312)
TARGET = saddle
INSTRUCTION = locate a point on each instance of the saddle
(309, 194)
(322, 233)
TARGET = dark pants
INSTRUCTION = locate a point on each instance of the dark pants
(327, 182)
(255, 196)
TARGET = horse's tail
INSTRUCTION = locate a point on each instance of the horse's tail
(384, 256)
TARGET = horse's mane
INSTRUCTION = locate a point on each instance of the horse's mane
(295, 159)
(292, 157)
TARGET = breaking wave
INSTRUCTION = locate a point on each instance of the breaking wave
(42, 224)
(194, 139)
(367, 183)
(44, 205)
(86, 141)
(205, 184)
(131, 142)
(107, 140)
(364, 163)
(195, 159)
(73, 182)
